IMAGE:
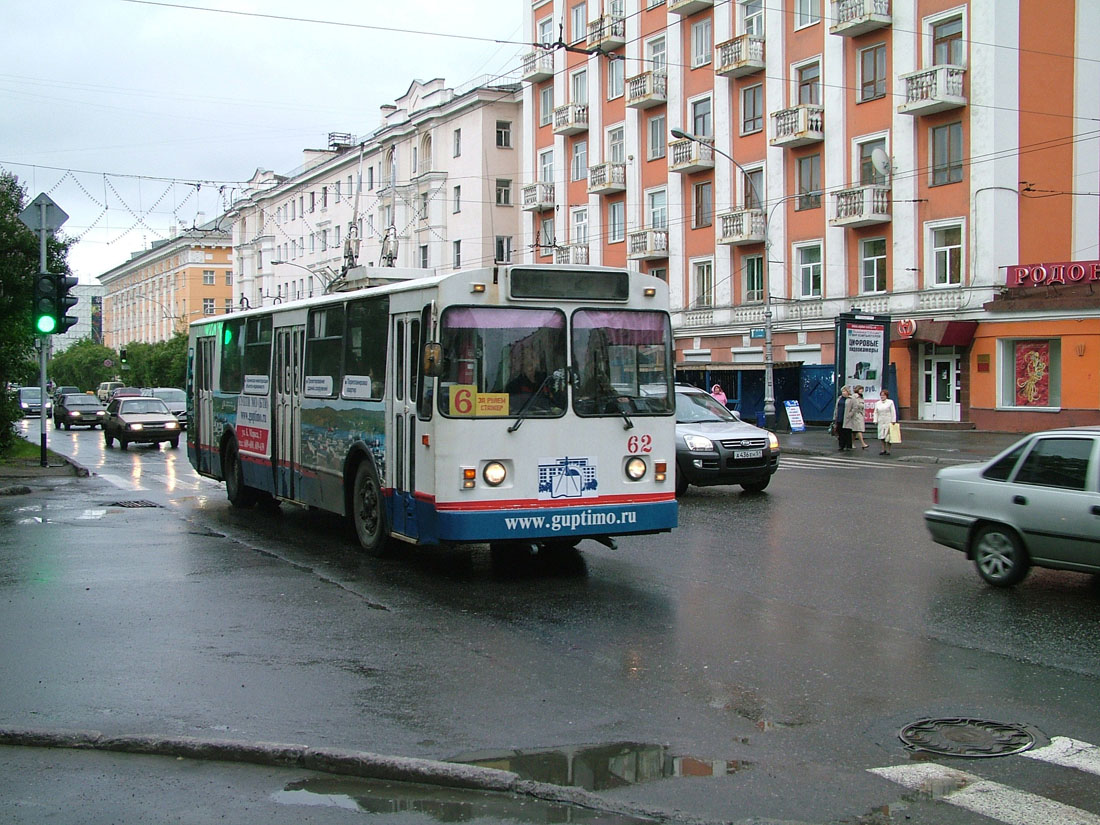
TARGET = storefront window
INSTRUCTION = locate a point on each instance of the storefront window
(1030, 373)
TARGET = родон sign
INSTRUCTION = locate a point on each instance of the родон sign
(1063, 272)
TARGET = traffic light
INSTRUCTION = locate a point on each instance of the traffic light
(65, 302)
(46, 313)
(122, 355)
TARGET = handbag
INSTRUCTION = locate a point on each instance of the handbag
(895, 433)
(832, 428)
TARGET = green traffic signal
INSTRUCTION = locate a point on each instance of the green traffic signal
(45, 324)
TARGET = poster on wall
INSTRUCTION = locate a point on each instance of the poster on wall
(1032, 373)
(863, 346)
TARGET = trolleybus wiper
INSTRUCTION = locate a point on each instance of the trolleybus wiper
(521, 416)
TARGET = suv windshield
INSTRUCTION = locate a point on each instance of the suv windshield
(700, 406)
(622, 362)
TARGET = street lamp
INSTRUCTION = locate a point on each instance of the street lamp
(769, 359)
(325, 284)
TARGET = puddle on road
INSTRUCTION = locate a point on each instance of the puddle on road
(371, 796)
(602, 767)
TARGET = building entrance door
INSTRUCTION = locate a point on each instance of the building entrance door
(942, 374)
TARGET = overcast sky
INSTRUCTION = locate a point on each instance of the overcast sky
(113, 106)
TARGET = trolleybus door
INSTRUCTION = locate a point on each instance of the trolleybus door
(406, 366)
(202, 394)
(286, 449)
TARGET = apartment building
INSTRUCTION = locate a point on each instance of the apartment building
(160, 290)
(784, 163)
(89, 318)
(434, 187)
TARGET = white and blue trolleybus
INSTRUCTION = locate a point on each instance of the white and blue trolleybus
(510, 404)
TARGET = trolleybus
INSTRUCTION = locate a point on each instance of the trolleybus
(510, 404)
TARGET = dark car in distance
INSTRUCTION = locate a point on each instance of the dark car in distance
(714, 446)
(30, 401)
(175, 398)
(138, 420)
(77, 409)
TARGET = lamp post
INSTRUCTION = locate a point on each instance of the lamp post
(769, 358)
(325, 284)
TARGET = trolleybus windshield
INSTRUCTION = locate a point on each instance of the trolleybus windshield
(622, 362)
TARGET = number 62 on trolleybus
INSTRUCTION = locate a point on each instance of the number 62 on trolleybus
(511, 404)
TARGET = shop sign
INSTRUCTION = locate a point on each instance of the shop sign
(907, 328)
(1064, 272)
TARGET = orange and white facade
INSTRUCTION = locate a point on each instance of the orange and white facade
(906, 158)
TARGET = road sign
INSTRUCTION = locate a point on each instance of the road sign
(36, 218)
(757, 332)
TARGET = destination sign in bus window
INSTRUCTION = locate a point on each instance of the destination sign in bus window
(599, 285)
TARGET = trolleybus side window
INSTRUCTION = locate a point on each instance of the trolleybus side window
(365, 348)
(257, 346)
(426, 385)
(232, 366)
(622, 362)
(324, 351)
(502, 362)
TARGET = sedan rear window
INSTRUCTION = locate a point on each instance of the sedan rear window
(1001, 469)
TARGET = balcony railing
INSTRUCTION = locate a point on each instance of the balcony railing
(605, 178)
(933, 90)
(686, 7)
(687, 156)
(574, 253)
(742, 226)
(609, 32)
(647, 244)
(798, 126)
(647, 89)
(538, 196)
(855, 17)
(537, 66)
(571, 119)
(741, 56)
(862, 206)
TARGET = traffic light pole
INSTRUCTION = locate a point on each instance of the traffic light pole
(43, 340)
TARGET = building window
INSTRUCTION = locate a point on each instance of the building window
(370, 178)
(579, 233)
(616, 221)
(808, 258)
(1030, 373)
(208, 277)
(753, 266)
(424, 206)
(868, 174)
(655, 145)
(872, 253)
(657, 54)
(947, 255)
(456, 149)
(656, 203)
(578, 86)
(546, 236)
(660, 273)
(312, 201)
(947, 42)
(616, 78)
(504, 192)
(503, 249)
(872, 73)
(456, 254)
(703, 281)
(806, 12)
(947, 151)
(208, 306)
(336, 190)
(423, 256)
(703, 199)
(579, 163)
(752, 109)
(228, 306)
(504, 134)
(546, 166)
(616, 145)
(809, 84)
(546, 31)
(228, 278)
(701, 45)
(752, 191)
(457, 199)
(578, 22)
(753, 11)
(546, 105)
(701, 123)
(809, 181)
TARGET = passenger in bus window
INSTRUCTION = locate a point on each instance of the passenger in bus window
(530, 377)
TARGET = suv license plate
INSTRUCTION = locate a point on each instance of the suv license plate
(748, 453)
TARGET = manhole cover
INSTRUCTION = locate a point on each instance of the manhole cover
(138, 503)
(966, 737)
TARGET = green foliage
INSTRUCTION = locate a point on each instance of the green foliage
(163, 364)
(81, 365)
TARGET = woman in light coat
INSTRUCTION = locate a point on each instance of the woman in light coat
(854, 415)
(885, 414)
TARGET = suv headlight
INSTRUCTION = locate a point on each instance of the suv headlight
(698, 442)
(773, 442)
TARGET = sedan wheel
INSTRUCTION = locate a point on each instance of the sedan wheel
(999, 556)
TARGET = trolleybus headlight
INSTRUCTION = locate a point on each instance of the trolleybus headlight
(635, 468)
(494, 473)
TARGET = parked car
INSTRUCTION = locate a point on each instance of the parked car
(30, 401)
(1037, 504)
(103, 392)
(175, 398)
(77, 409)
(133, 419)
(714, 446)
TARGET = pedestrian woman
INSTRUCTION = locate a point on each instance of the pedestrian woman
(719, 394)
(885, 415)
(854, 415)
(843, 434)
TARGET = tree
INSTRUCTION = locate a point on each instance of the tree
(82, 365)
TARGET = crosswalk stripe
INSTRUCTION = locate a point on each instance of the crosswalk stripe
(981, 796)
(1069, 753)
(827, 461)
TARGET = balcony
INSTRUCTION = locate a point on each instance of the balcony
(647, 244)
(571, 119)
(933, 90)
(862, 206)
(537, 66)
(609, 32)
(742, 226)
(606, 178)
(686, 156)
(852, 18)
(646, 89)
(686, 7)
(744, 55)
(574, 253)
(800, 126)
(538, 196)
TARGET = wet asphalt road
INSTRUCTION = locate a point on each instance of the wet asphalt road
(784, 637)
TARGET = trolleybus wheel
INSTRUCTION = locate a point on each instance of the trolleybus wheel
(239, 493)
(367, 511)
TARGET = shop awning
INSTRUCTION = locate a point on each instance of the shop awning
(943, 333)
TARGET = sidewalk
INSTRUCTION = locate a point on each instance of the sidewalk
(918, 444)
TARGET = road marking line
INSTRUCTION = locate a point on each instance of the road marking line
(981, 796)
(824, 461)
(1069, 753)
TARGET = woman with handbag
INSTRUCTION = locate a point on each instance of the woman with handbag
(885, 415)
